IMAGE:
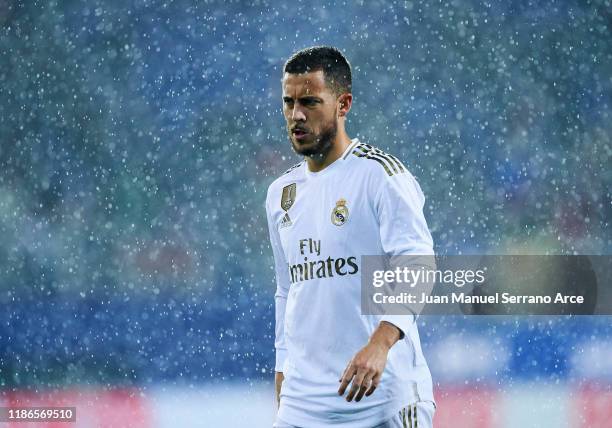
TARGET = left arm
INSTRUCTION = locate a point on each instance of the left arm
(403, 231)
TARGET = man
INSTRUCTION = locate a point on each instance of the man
(335, 366)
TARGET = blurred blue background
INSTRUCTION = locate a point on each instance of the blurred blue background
(138, 138)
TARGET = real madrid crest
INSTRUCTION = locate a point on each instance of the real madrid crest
(340, 213)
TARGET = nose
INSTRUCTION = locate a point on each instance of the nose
(297, 114)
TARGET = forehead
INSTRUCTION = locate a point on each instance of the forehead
(297, 85)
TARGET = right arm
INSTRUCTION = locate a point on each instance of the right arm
(280, 299)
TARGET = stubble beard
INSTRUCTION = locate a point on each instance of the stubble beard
(324, 141)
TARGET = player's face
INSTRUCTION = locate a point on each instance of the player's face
(310, 109)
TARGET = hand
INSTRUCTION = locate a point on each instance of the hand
(278, 382)
(366, 368)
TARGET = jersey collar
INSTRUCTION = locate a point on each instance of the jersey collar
(334, 164)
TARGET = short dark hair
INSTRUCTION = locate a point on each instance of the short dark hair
(336, 68)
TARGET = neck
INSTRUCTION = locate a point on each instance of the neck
(316, 163)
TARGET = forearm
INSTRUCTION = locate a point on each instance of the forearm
(278, 383)
(386, 334)
(279, 329)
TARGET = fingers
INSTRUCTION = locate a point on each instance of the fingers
(357, 385)
(344, 372)
(346, 378)
(364, 383)
(365, 386)
(375, 381)
(369, 384)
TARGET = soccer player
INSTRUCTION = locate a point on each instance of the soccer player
(335, 366)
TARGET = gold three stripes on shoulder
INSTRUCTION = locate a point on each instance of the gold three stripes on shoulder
(390, 163)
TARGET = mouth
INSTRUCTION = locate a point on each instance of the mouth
(299, 133)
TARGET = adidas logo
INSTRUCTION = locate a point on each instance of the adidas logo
(286, 221)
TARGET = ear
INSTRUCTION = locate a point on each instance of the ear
(345, 101)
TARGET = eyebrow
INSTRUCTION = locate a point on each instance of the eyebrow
(306, 98)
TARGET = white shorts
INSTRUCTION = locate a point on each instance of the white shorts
(417, 415)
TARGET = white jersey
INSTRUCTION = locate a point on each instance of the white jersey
(364, 203)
